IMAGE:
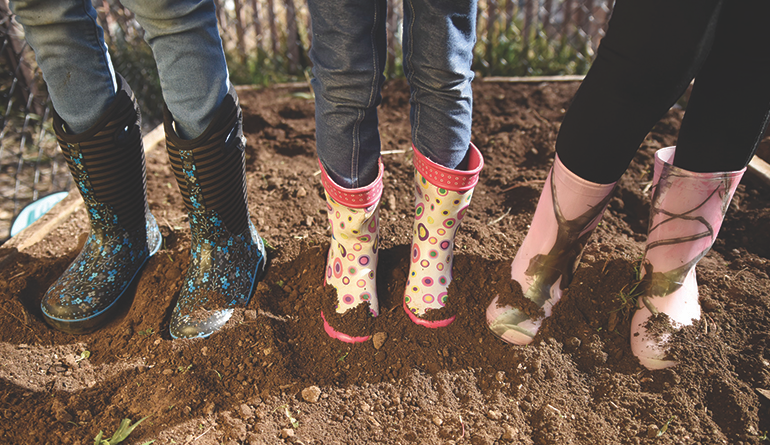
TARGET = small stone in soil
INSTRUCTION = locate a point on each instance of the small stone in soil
(379, 339)
(287, 432)
(510, 433)
(494, 415)
(311, 394)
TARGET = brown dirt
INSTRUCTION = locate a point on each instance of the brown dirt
(578, 383)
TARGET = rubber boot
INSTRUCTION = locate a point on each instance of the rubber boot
(568, 211)
(227, 256)
(685, 217)
(351, 264)
(441, 199)
(107, 164)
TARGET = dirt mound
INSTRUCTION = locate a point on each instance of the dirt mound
(273, 376)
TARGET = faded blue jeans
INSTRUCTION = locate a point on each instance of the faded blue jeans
(348, 54)
(70, 50)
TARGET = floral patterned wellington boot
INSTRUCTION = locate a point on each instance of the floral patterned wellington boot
(441, 198)
(227, 256)
(351, 264)
(685, 217)
(107, 163)
(568, 211)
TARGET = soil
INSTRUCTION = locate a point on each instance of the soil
(273, 376)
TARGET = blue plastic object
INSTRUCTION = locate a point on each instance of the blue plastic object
(33, 211)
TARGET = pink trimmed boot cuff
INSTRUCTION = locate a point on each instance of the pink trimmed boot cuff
(359, 198)
(447, 178)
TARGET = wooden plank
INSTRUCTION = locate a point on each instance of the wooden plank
(759, 170)
(38, 230)
(534, 79)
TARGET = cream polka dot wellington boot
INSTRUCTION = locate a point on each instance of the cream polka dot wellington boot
(442, 196)
(351, 264)
(685, 217)
(568, 211)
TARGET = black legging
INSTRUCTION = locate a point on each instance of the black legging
(652, 51)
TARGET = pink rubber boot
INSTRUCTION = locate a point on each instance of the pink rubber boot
(686, 214)
(351, 265)
(568, 211)
(441, 198)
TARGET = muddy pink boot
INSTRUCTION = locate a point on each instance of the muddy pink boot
(685, 216)
(351, 265)
(442, 196)
(568, 211)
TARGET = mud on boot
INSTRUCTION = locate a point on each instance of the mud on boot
(568, 211)
(685, 217)
(441, 199)
(351, 264)
(227, 256)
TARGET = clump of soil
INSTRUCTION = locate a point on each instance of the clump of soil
(273, 376)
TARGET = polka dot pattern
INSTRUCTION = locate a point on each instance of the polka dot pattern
(438, 212)
(352, 259)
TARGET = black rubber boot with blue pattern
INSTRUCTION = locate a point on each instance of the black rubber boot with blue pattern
(107, 164)
(227, 256)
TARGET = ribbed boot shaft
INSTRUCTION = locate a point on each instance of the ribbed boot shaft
(107, 160)
(218, 169)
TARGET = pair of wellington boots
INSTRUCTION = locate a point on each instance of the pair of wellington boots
(686, 214)
(227, 255)
(442, 197)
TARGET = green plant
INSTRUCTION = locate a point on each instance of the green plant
(509, 53)
(294, 422)
(83, 355)
(665, 427)
(631, 292)
(121, 434)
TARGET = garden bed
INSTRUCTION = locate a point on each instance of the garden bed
(578, 383)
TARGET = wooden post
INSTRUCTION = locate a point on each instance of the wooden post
(292, 45)
(240, 31)
(273, 29)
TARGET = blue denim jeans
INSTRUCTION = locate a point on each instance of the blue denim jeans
(348, 54)
(70, 50)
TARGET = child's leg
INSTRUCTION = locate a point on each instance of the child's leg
(227, 256)
(71, 53)
(730, 102)
(97, 125)
(438, 50)
(685, 217)
(107, 162)
(631, 84)
(348, 54)
(206, 148)
(184, 39)
(725, 119)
